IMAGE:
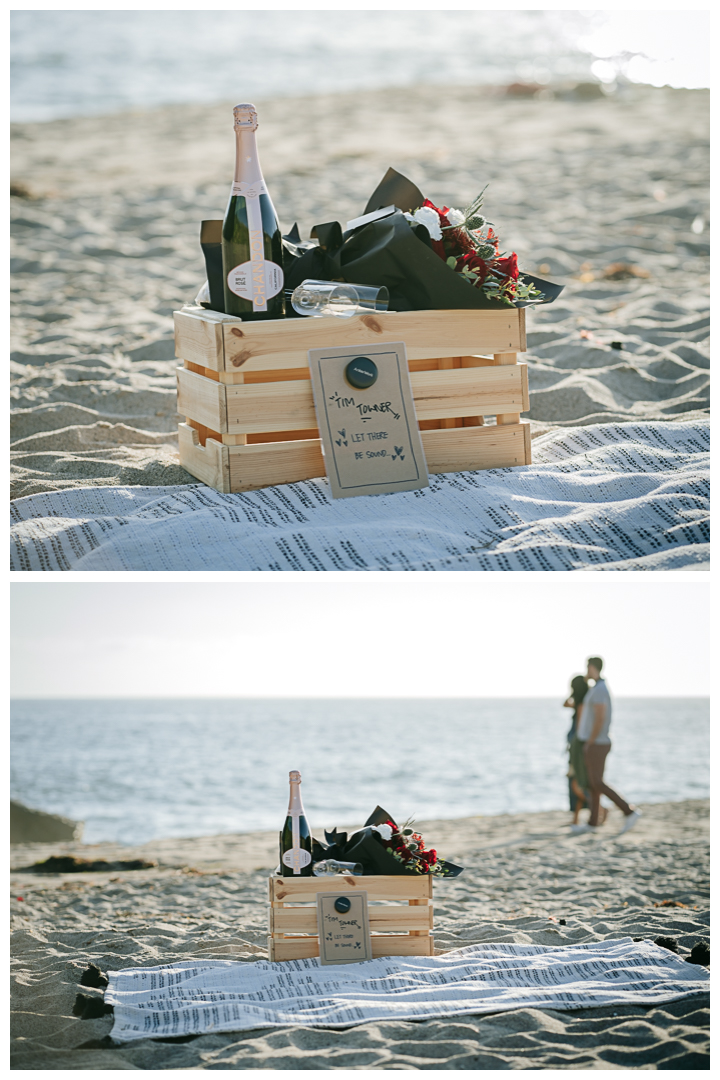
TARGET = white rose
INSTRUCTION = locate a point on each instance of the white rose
(428, 217)
(384, 830)
(455, 217)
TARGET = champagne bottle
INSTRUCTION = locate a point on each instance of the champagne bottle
(251, 240)
(295, 838)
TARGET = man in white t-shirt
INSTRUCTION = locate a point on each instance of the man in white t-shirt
(593, 730)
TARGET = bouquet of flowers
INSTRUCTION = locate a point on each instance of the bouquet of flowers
(408, 847)
(384, 847)
(457, 236)
(396, 242)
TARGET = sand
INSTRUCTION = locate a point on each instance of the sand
(606, 194)
(526, 880)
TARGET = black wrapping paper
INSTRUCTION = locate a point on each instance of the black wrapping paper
(364, 846)
(395, 190)
(211, 244)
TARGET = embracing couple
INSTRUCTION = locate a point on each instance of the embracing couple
(590, 747)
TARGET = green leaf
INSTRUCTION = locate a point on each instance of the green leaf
(475, 205)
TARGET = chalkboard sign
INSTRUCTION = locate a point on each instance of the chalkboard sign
(366, 417)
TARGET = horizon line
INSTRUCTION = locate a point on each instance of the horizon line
(325, 697)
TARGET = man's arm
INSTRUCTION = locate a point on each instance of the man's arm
(598, 721)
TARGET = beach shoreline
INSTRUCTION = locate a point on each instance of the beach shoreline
(526, 879)
(606, 194)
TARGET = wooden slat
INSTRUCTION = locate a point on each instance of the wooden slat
(222, 342)
(202, 399)
(470, 448)
(388, 945)
(468, 391)
(522, 347)
(392, 945)
(208, 463)
(282, 406)
(288, 406)
(198, 337)
(401, 917)
(285, 343)
(264, 464)
(377, 886)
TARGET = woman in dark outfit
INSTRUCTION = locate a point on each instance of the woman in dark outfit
(578, 787)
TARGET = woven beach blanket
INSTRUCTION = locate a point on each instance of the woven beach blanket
(203, 996)
(605, 497)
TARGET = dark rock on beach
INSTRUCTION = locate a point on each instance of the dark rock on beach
(71, 864)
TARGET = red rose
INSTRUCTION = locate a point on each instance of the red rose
(475, 263)
(508, 266)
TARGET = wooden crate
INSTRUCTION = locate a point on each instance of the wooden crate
(244, 390)
(399, 928)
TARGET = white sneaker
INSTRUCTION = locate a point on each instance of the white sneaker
(583, 828)
(630, 821)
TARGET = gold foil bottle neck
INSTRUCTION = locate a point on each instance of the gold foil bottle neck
(295, 776)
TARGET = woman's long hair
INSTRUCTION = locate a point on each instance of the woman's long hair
(580, 688)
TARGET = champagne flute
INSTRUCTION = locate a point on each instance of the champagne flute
(319, 298)
(330, 867)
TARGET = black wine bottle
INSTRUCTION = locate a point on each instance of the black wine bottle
(295, 838)
(252, 251)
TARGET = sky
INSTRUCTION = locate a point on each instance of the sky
(424, 635)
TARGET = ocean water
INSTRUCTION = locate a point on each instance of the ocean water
(138, 770)
(82, 63)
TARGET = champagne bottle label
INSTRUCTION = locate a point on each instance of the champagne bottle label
(258, 280)
(297, 858)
